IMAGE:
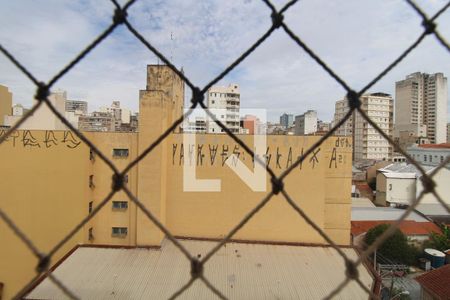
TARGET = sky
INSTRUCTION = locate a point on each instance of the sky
(356, 38)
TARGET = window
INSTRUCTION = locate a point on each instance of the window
(424, 158)
(212, 101)
(91, 181)
(91, 155)
(431, 158)
(390, 187)
(90, 234)
(442, 159)
(90, 206)
(120, 152)
(119, 231)
(120, 205)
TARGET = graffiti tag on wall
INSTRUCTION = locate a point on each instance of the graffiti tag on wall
(42, 140)
(275, 157)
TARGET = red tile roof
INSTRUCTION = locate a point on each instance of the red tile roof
(408, 227)
(436, 282)
(443, 145)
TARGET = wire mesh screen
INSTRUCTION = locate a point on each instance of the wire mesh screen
(120, 18)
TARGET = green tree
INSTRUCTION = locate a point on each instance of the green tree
(437, 241)
(396, 247)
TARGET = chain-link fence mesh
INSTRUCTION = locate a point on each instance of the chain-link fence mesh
(120, 18)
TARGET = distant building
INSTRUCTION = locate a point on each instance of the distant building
(323, 126)
(252, 124)
(430, 154)
(5, 104)
(399, 184)
(367, 142)
(43, 118)
(224, 103)
(197, 124)
(121, 116)
(306, 123)
(273, 128)
(421, 106)
(77, 106)
(287, 120)
(97, 121)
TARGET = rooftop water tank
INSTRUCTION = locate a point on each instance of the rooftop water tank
(436, 257)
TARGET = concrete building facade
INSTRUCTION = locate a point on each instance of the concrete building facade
(77, 106)
(5, 104)
(224, 103)
(421, 106)
(306, 123)
(65, 181)
(368, 143)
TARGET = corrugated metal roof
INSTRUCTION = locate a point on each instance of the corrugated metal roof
(432, 209)
(238, 270)
(404, 168)
(383, 214)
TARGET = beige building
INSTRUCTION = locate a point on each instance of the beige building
(5, 104)
(224, 103)
(421, 106)
(54, 181)
(367, 142)
(43, 118)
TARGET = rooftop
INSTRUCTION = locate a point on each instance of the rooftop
(383, 214)
(238, 270)
(436, 282)
(407, 227)
(437, 146)
(404, 168)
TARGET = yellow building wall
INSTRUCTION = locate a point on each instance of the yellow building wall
(5, 103)
(321, 188)
(108, 217)
(159, 106)
(42, 190)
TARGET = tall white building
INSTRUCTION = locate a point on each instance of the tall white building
(306, 123)
(421, 106)
(367, 142)
(224, 103)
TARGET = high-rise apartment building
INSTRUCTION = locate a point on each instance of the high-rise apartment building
(421, 106)
(306, 123)
(224, 103)
(286, 120)
(367, 142)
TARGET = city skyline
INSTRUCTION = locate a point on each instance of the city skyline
(205, 43)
